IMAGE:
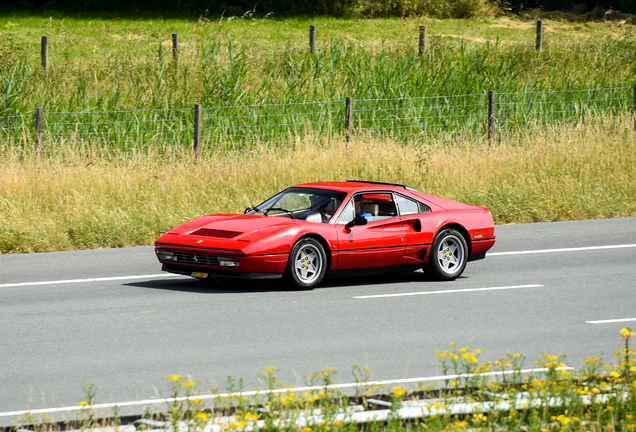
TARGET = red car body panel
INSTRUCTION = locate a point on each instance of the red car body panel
(262, 243)
(379, 244)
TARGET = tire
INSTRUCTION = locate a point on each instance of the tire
(307, 264)
(448, 256)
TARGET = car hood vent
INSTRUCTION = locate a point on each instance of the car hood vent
(208, 232)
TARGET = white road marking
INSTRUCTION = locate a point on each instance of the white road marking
(71, 281)
(448, 291)
(611, 321)
(162, 275)
(540, 251)
(282, 390)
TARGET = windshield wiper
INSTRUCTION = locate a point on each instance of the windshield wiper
(280, 209)
(254, 209)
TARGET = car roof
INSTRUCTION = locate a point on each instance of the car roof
(354, 185)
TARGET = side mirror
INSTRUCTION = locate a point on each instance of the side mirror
(358, 220)
(247, 210)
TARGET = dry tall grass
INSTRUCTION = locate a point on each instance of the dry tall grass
(80, 201)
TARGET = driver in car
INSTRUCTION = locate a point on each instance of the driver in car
(358, 202)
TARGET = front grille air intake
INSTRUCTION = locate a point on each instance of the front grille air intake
(197, 259)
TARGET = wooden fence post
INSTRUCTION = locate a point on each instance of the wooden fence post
(491, 116)
(539, 35)
(39, 119)
(45, 52)
(422, 39)
(175, 46)
(312, 39)
(348, 118)
(197, 131)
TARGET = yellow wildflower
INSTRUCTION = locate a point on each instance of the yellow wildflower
(398, 391)
(478, 418)
(174, 377)
(251, 416)
(563, 419)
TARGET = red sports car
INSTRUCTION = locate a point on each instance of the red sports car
(314, 230)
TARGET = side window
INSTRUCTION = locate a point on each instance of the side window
(379, 206)
(406, 205)
(347, 214)
(373, 206)
(424, 208)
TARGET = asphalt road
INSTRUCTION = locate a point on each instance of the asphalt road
(126, 335)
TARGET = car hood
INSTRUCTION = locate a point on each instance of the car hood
(226, 231)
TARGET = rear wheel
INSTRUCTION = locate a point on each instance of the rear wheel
(307, 264)
(448, 257)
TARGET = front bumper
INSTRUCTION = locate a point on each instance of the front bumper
(219, 273)
(190, 260)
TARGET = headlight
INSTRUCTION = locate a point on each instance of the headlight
(165, 255)
(228, 262)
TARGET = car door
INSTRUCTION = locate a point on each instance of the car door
(420, 226)
(379, 243)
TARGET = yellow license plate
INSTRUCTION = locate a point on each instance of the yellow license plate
(199, 275)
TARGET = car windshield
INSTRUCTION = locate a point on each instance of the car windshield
(313, 205)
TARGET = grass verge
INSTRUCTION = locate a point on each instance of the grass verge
(83, 200)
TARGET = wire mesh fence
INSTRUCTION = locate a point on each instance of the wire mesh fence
(273, 125)
(415, 41)
(518, 109)
(120, 130)
(53, 50)
(418, 119)
(244, 128)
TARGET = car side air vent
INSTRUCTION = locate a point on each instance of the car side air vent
(208, 232)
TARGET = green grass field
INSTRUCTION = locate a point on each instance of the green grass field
(127, 64)
(87, 193)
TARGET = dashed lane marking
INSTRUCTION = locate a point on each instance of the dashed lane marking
(74, 281)
(449, 291)
(611, 321)
(542, 251)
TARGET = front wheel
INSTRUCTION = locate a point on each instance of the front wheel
(448, 257)
(307, 264)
